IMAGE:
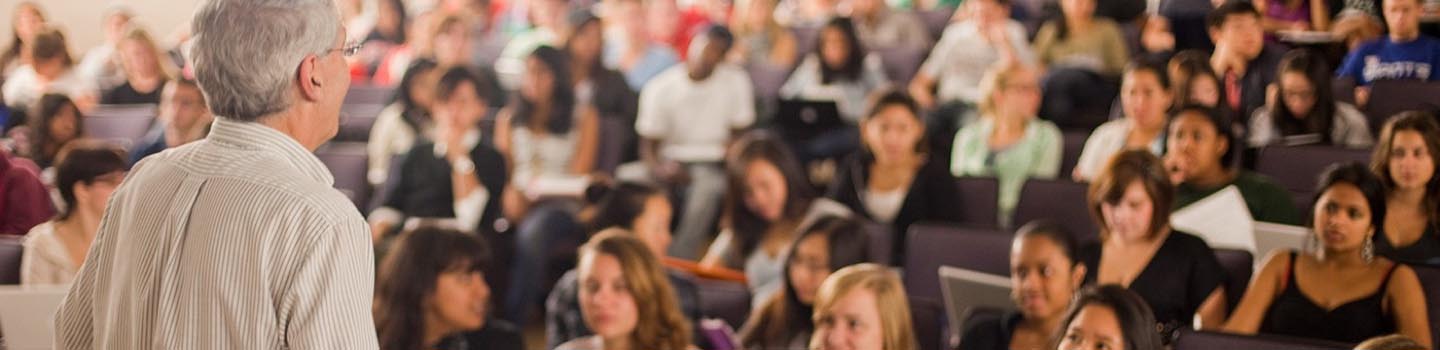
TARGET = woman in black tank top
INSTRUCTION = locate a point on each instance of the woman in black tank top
(1339, 291)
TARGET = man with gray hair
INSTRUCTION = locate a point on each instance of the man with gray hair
(237, 241)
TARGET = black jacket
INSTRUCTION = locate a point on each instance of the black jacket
(933, 196)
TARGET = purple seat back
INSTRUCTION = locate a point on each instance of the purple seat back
(1192, 340)
(1062, 201)
(979, 198)
(10, 251)
(931, 246)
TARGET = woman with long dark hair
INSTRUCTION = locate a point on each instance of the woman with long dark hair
(86, 174)
(1406, 160)
(431, 294)
(55, 123)
(768, 198)
(839, 69)
(827, 245)
(1109, 317)
(1304, 109)
(404, 121)
(1341, 290)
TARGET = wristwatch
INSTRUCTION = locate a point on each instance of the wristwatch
(463, 165)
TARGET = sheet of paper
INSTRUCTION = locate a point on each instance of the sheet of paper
(1222, 219)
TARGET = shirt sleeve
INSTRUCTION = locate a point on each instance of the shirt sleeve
(333, 289)
(744, 115)
(651, 121)
(935, 64)
(1354, 65)
(1047, 163)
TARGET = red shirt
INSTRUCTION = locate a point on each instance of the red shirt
(24, 201)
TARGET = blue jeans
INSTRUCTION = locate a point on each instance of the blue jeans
(548, 233)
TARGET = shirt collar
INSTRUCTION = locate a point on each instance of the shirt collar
(256, 136)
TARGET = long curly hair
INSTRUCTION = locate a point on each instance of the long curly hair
(407, 279)
(660, 324)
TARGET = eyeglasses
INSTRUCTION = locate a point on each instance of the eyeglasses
(350, 49)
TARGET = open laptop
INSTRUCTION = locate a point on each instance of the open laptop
(805, 119)
(27, 315)
(968, 290)
(1272, 236)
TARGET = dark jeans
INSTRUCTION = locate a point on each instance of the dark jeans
(1077, 98)
(549, 233)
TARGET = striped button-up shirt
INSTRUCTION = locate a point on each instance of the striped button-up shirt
(234, 242)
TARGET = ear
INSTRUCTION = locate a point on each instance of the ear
(1224, 145)
(1077, 275)
(309, 79)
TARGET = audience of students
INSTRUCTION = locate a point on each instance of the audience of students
(431, 294)
(1405, 160)
(1109, 317)
(1008, 142)
(1341, 291)
(863, 307)
(626, 299)
(1201, 157)
(184, 118)
(767, 200)
(1174, 272)
(596, 85)
(1044, 275)
(145, 67)
(1301, 111)
(892, 181)
(1082, 55)
(827, 245)
(1404, 54)
(687, 118)
(85, 175)
(630, 208)
(545, 134)
(1145, 99)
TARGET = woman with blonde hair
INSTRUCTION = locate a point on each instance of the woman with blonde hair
(863, 307)
(146, 71)
(626, 299)
(1008, 142)
(759, 37)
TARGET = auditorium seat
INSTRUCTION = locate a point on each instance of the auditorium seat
(882, 243)
(1239, 265)
(122, 125)
(767, 79)
(927, 317)
(369, 94)
(931, 246)
(1074, 143)
(10, 251)
(1430, 281)
(979, 198)
(1193, 340)
(901, 63)
(1298, 168)
(1390, 97)
(1343, 89)
(347, 162)
(936, 20)
(615, 134)
(1062, 201)
(356, 120)
(726, 300)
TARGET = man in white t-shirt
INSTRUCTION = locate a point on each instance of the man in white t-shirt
(687, 117)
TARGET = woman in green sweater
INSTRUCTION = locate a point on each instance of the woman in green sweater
(1200, 157)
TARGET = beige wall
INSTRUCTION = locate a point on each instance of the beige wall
(82, 18)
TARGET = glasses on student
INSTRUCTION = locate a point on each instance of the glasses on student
(350, 49)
